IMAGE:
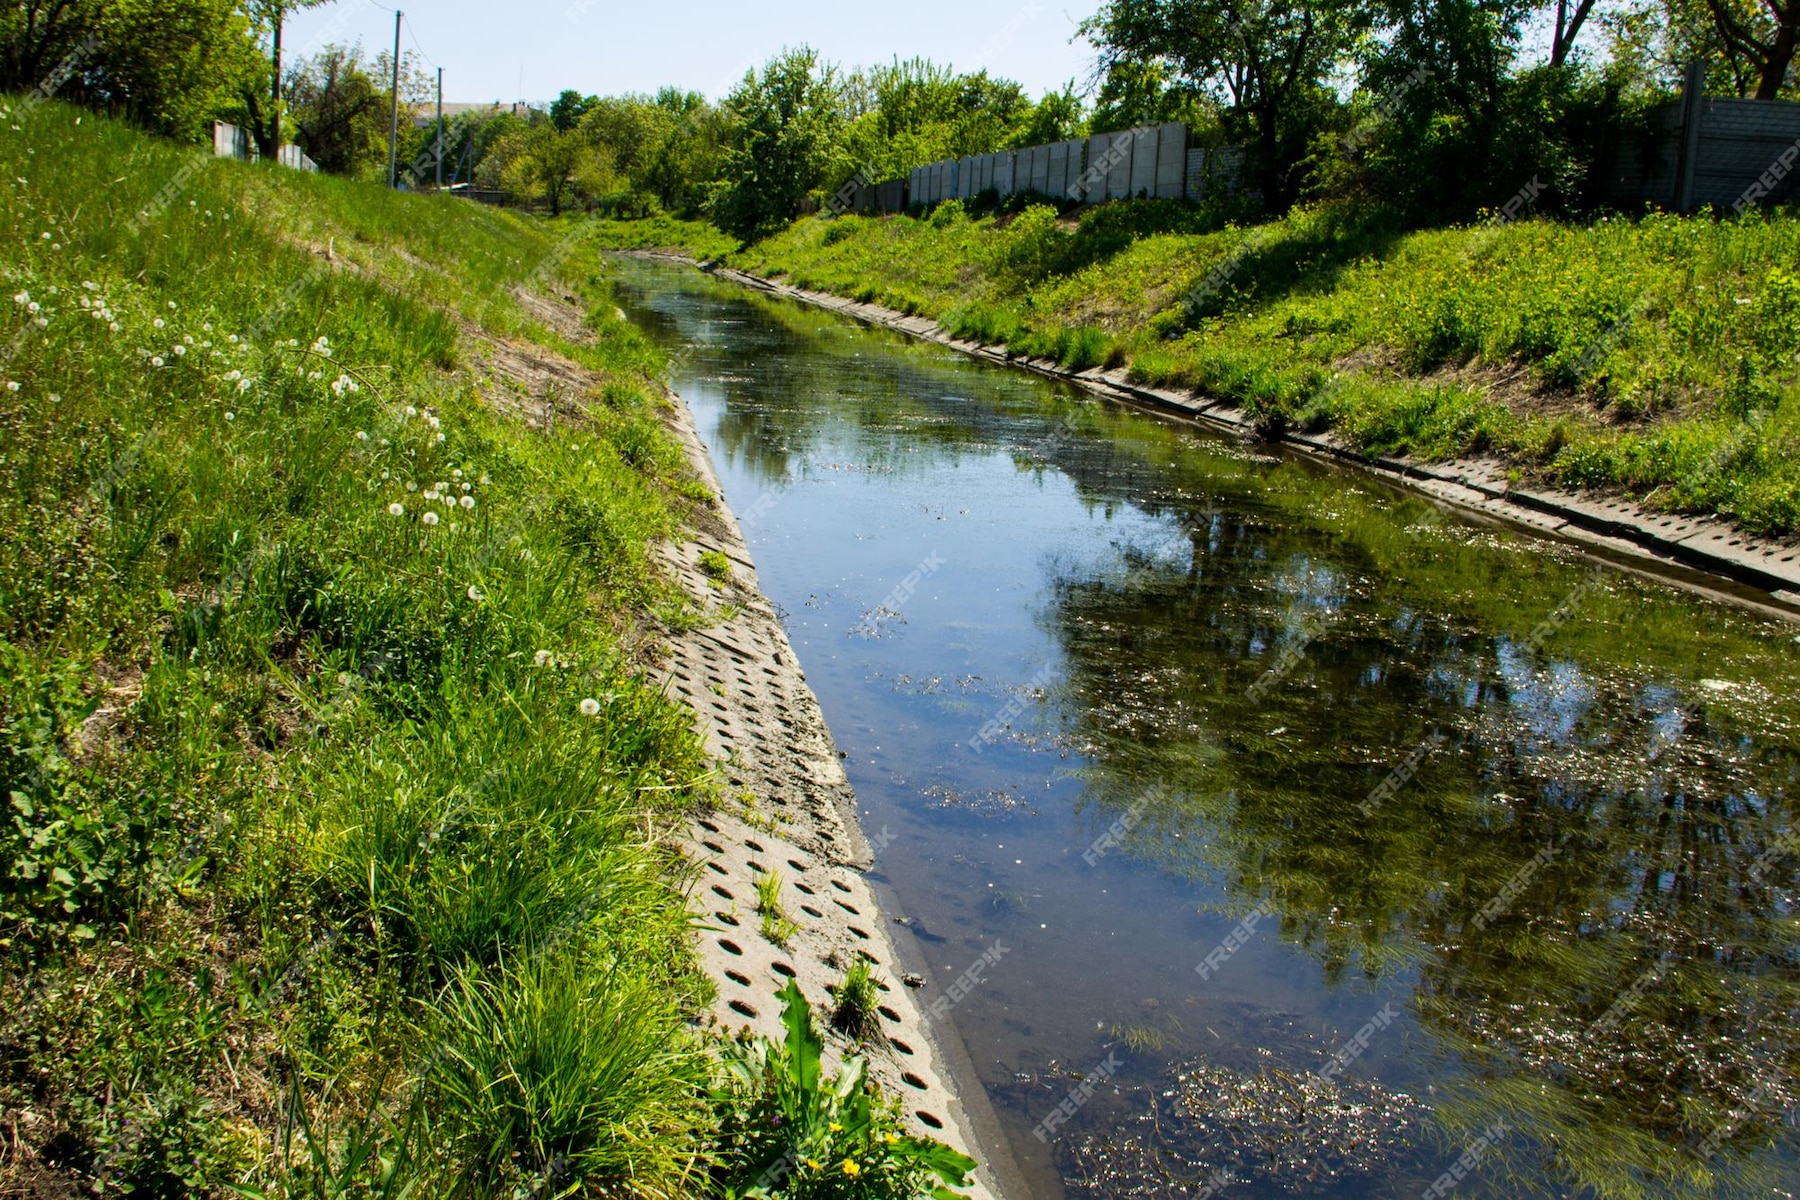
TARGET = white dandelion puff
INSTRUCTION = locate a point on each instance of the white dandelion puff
(396, 509)
(475, 594)
(157, 323)
(156, 360)
(180, 351)
(590, 707)
(231, 416)
(430, 518)
(468, 502)
(243, 385)
(362, 435)
(12, 385)
(542, 658)
(22, 298)
(34, 307)
(411, 411)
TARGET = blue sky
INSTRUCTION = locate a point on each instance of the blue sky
(603, 46)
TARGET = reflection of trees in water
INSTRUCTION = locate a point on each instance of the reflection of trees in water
(1558, 844)
(1653, 797)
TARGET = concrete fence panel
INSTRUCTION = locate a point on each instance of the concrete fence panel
(1119, 153)
(1171, 162)
(1144, 144)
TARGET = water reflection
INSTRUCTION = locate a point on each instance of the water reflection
(1541, 813)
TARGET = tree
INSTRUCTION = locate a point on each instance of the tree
(567, 109)
(785, 123)
(340, 114)
(1268, 60)
(1758, 38)
(168, 65)
(265, 124)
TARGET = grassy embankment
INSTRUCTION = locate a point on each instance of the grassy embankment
(1653, 356)
(335, 848)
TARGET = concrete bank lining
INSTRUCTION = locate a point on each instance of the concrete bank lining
(1766, 573)
(789, 811)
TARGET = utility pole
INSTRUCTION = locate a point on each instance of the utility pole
(440, 140)
(275, 91)
(394, 124)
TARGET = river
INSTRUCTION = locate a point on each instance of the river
(1314, 841)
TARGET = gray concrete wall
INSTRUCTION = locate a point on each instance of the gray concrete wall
(1150, 161)
(1738, 156)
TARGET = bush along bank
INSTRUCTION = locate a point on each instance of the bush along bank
(1652, 357)
(338, 853)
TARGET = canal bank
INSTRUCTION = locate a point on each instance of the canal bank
(1753, 569)
(786, 836)
(789, 815)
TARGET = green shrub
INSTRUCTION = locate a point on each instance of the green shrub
(789, 1132)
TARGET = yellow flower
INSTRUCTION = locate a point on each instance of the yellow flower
(813, 1164)
(835, 1127)
(851, 1168)
(891, 1139)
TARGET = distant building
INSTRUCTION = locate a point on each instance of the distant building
(426, 114)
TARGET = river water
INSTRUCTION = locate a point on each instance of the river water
(1313, 841)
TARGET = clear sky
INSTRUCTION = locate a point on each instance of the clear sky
(486, 47)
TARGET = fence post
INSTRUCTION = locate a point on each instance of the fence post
(1687, 162)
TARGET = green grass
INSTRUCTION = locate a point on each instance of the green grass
(336, 857)
(697, 239)
(1648, 356)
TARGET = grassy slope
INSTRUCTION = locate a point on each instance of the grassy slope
(293, 811)
(1654, 356)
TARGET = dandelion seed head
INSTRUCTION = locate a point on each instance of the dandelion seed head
(243, 385)
(590, 707)
(396, 509)
(231, 416)
(468, 502)
(12, 385)
(22, 298)
(156, 360)
(362, 435)
(158, 323)
(430, 518)
(475, 594)
(542, 658)
(180, 351)
(33, 307)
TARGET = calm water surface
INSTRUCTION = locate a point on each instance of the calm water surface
(1331, 839)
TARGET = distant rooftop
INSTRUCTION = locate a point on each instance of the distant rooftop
(426, 113)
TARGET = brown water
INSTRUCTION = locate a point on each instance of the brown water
(1330, 838)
